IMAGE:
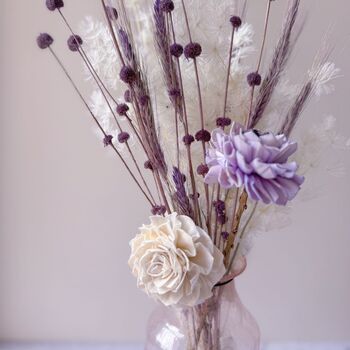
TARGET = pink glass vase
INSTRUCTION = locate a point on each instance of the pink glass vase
(221, 323)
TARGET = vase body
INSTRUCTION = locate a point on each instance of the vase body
(221, 323)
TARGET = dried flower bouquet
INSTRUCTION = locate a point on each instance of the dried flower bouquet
(214, 132)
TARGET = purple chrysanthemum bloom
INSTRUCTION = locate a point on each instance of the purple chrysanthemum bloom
(74, 42)
(257, 162)
(44, 40)
(52, 5)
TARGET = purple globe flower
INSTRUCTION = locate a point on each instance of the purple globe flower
(257, 162)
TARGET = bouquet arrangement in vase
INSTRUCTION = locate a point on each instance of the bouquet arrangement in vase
(180, 85)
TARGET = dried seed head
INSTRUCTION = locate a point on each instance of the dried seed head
(202, 169)
(254, 79)
(167, 6)
(203, 135)
(176, 50)
(127, 75)
(52, 5)
(223, 121)
(123, 137)
(122, 109)
(127, 96)
(188, 139)
(148, 165)
(112, 13)
(236, 22)
(44, 40)
(107, 140)
(74, 42)
(192, 50)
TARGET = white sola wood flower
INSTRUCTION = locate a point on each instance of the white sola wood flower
(175, 261)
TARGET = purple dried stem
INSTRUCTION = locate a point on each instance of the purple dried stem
(98, 123)
(278, 63)
(267, 16)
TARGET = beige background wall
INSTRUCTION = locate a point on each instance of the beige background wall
(67, 209)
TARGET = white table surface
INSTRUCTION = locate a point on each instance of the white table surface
(291, 346)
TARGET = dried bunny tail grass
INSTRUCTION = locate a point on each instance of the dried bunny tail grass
(320, 74)
(162, 38)
(278, 63)
(181, 197)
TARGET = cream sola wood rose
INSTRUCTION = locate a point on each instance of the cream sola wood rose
(175, 261)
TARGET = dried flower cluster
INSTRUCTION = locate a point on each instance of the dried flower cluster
(214, 131)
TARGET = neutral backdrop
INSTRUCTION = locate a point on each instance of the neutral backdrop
(68, 210)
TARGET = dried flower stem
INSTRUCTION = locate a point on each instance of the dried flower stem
(188, 149)
(235, 252)
(228, 71)
(267, 16)
(98, 123)
(236, 222)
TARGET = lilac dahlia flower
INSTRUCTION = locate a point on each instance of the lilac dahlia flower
(257, 162)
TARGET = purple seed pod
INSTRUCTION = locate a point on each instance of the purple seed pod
(112, 13)
(188, 139)
(74, 42)
(254, 79)
(167, 6)
(222, 219)
(202, 169)
(236, 22)
(122, 109)
(192, 50)
(44, 40)
(107, 141)
(144, 100)
(219, 206)
(225, 235)
(52, 5)
(158, 210)
(203, 135)
(127, 75)
(123, 137)
(223, 121)
(148, 165)
(192, 196)
(127, 96)
(176, 50)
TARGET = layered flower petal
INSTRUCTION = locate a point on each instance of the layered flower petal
(259, 162)
(175, 261)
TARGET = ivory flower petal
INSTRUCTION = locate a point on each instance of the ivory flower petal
(175, 261)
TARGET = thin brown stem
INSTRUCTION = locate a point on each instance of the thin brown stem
(228, 71)
(98, 123)
(236, 222)
(267, 16)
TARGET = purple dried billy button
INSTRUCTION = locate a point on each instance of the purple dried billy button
(176, 50)
(123, 137)
(254, 79)
(44, 40)
(127, 75)
(167, 6)
(52, 5)
(223, 121)
(107, 140)
(203, 135)
(202, 169)
(192, 50)
(122, 109)
(188, 139)
(74, 42)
